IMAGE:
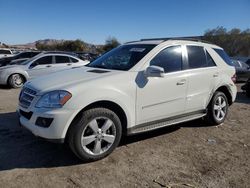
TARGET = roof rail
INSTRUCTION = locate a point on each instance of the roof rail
(195, 39)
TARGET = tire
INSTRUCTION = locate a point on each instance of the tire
(217, 111)
(89, 139)
(16, 81)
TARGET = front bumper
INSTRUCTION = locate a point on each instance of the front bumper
(58, 127)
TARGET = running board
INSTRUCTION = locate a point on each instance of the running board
(166, 122)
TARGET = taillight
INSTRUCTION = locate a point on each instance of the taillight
(234, 78)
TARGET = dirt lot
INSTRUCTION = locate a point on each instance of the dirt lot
(188, 155)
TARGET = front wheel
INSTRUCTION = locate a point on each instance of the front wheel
(16, 81)
(217, 108)
(95, 134)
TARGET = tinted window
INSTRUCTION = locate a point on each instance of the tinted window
(62, 59)
(224, 56)
(73, 60)
(170, 59)
(44, 60)
(196, 57)
(5, 52)
(210, 61)
(123, 57)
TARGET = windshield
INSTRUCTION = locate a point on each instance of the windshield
(123, 57)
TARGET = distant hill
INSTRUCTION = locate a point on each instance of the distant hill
(32, 45)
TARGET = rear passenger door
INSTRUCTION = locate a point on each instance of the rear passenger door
(202, 74)
(62, 62)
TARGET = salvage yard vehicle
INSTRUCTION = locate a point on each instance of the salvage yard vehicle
(5, 52)
(41, 64)
(136, 87)
(8, 60)
(246, 87)
(242, 70)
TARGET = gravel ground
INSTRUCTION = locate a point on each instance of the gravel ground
(188, 155)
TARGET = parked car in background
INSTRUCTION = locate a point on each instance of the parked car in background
(134, 88)
(41, 64)
(28, 54)
(246, 87)
(5, 52)
(87, 56)
(242, 70)
(18, 61)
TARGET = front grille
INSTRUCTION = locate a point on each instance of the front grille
(27, 115)
(26, 97)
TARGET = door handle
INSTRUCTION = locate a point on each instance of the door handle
(48, 66)
(181, 82)
(69, 64)
(216, 74)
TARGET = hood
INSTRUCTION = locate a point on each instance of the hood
(11, 67)
(67, 78)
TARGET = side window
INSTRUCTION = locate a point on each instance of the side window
(196, 57)
(170, 59)
(210, 61)
(73, 60)
(224, 56)
(62, 59)
(42, 61)
(5, 52)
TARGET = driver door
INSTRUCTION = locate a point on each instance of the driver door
(162, 97)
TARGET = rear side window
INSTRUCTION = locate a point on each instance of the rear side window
(62, 59)
(196, 57)
(73, 60)
(224, 56)
(170, 59)
(5, 52)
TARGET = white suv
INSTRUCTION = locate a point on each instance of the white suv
(136, 87)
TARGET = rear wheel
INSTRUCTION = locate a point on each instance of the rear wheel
(217, 109)
(16, 80)
(95, 134)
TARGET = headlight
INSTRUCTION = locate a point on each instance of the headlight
(53, 99)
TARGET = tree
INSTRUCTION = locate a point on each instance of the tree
(110, 43)
(235, 42)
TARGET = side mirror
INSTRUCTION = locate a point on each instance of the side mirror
(154, 71)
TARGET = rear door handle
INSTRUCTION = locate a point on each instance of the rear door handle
(48, 66)
(69, 64)
(216, 74)
(181, 82)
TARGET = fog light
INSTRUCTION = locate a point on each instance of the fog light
(44, 122)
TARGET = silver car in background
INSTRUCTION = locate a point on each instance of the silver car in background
(42, 64)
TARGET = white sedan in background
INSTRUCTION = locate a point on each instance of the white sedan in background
(42, 64)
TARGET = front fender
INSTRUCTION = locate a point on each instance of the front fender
(88, 97)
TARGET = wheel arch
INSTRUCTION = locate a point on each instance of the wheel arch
(116, 108)
(225, 89)
(21, 74)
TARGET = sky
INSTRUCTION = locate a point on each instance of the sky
(23, 21)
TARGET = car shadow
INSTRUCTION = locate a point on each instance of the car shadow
(5, 87)
(20, 149)
(242, 98)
